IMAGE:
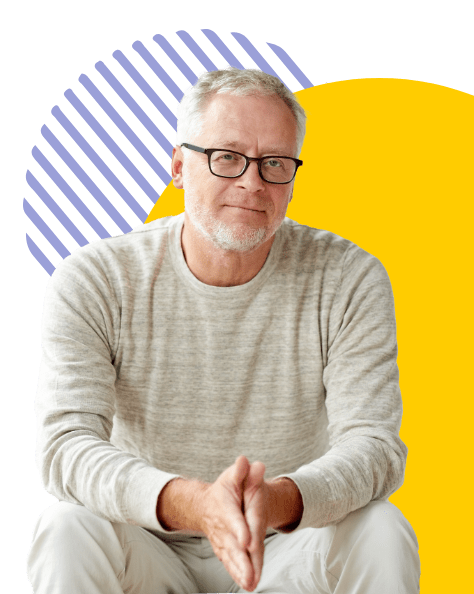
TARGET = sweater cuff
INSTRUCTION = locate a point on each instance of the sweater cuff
(141, 498)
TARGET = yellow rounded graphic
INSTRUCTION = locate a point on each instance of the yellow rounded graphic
(388, 165)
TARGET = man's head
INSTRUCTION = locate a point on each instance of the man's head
(249, 112)
(239, 83)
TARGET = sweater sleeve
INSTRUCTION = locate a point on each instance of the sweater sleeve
(367, 458)
(75, 402)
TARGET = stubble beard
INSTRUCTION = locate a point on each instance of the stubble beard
(223, 236)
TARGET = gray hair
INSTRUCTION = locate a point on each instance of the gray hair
(233, 82)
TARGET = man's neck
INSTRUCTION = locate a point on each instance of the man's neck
(221, 268)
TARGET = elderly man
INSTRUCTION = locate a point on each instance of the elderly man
(176, 354)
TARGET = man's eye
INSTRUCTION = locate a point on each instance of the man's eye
(273, 163)
(227, 157)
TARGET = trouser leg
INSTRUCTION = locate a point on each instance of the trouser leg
(373, 550)
(77, 552)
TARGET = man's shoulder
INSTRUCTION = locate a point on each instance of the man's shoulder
(111, 255)
(333, 259)
(309, 243)
(145, 237)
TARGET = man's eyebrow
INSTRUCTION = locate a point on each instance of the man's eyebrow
(232, 144)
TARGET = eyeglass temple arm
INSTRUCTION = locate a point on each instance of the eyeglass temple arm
(193, 147)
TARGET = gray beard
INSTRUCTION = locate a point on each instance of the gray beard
(223, 236)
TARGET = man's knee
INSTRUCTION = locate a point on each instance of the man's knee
(380, 538)
(65, 514)
(65, 522)
(69, 532)
(383, 524)
(375, 549)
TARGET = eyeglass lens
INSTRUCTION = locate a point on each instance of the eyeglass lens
(274, 169)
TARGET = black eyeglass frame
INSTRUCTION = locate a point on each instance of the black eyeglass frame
(248, 160)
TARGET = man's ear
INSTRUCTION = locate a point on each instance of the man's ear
(177, 168)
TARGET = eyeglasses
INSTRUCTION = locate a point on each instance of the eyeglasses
(272, 169)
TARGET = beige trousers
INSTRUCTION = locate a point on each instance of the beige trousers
(372, 551)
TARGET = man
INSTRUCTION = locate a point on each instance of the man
(177, 353)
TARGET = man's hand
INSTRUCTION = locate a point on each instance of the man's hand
(239, 507)
(224, 524)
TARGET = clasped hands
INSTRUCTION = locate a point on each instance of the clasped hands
(238, 508)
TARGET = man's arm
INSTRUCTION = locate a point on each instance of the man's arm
(76, 400)
(366, 457)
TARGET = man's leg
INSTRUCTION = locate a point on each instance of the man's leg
(373, 550)
(77, 552)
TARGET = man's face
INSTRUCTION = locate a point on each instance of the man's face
(243, 213)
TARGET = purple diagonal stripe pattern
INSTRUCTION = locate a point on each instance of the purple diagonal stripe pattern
(39, 256)
(158, 70)
(55, 209)
(197, 51)
(134, 108)
(126, 130)
(133, 72)
(113, 146)
(222, 49)
(255, 54)
(145, 87)
(101, 166)
(175, 58)
(85, 180)
(45, 230)
(292, 67)
(67, 191)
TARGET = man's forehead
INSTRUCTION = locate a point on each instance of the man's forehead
(242, 123)
(240, 146)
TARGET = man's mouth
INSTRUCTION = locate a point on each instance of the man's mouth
(243, 208)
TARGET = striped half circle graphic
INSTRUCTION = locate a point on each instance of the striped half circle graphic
(105, 152)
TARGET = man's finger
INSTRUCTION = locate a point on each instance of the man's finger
(242, 569)
(255, 515)
(256, 547)
(241, 469)
(255, 476)
(242, 466)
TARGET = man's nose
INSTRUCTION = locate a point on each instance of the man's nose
(251, 179)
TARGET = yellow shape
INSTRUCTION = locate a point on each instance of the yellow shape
(169, 204)
(388, 164)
